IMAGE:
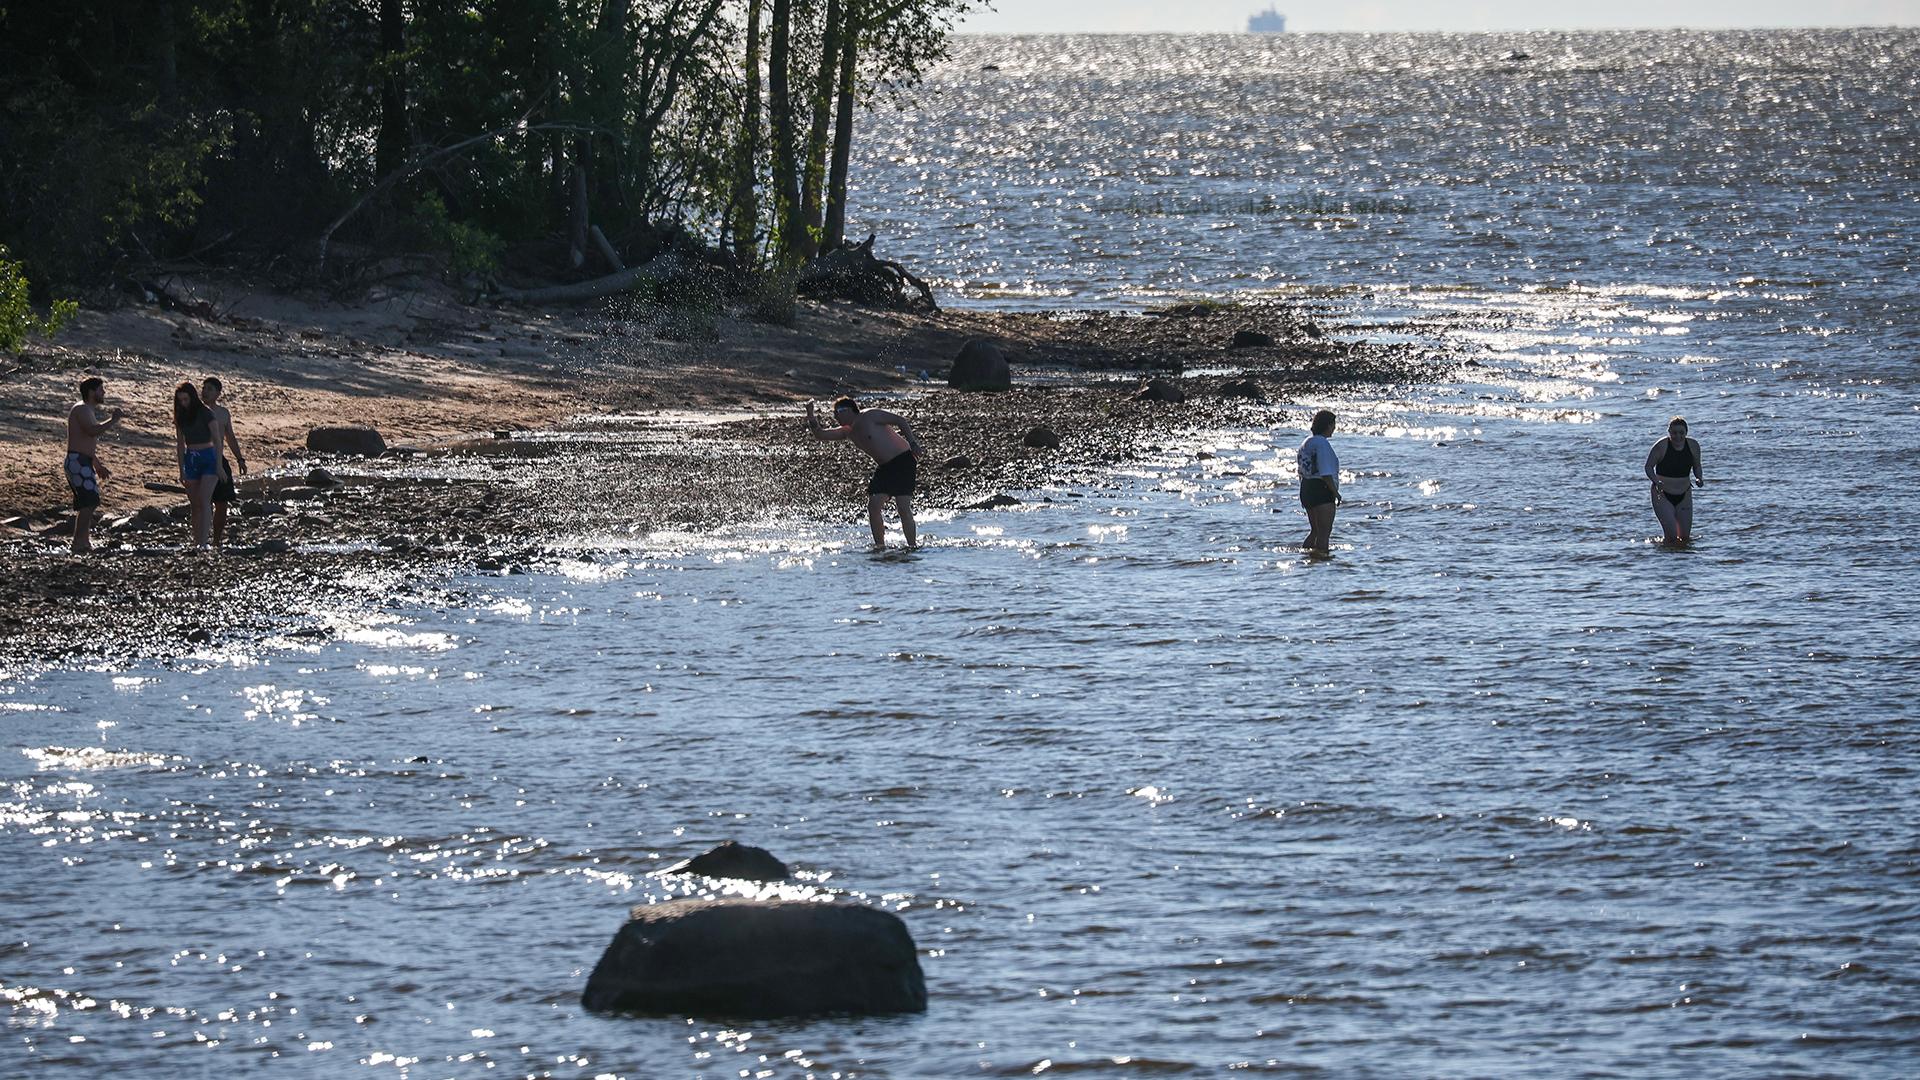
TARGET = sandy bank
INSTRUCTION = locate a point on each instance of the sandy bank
(524, 431)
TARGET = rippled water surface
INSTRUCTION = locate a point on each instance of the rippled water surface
(1502, 788)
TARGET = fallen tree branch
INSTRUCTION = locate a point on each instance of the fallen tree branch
(659, 269)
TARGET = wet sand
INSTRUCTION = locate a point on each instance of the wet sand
(519, 437)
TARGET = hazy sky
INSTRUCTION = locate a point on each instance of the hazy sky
(1214, 16)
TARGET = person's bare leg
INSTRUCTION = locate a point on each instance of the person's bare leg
(1320, 533)
(904, 504)
(1683, 518)
(201, 494)
(83, 531)
(219, 524)
(876, 517)
(1669, 523)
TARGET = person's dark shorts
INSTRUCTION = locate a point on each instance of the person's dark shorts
(223, 491)
(82, 481)
(896, 477)
(1315, 492)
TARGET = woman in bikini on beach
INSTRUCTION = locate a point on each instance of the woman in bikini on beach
(196, 445)
(1673, 465)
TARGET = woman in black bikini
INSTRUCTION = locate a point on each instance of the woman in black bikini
(1668, 465)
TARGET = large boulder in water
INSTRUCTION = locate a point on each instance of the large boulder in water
(743, 862)
(980, 366)
(346, 439)
(758, 959)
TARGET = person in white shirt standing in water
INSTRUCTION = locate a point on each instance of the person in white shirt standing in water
(1319, 482)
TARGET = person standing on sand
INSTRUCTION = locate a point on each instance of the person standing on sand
(223, 490)
(196, 445)
(1319, 482)
(84, 469)
(896, 452)
(1668, 464)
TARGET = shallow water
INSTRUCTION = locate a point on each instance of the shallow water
(1501, 788)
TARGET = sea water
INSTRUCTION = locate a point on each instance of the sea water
(1502, 787)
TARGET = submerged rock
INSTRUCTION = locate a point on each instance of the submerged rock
(981, 365)
(1249, 339)
(1241, 388)
(758, 959)
(957, 461)
(994, 502)
(731, 859)
(1040, 438)
(318, 478)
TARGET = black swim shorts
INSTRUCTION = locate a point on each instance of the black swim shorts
(1315, 491)
(223, 490)
(896, 477)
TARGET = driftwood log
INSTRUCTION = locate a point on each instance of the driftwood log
(659, 269)
(853, 273)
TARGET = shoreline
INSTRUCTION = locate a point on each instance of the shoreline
(506, 462)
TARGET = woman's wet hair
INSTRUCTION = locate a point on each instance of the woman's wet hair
(1323, 422)
(182, 416)
(89, 385)
(1679, 421)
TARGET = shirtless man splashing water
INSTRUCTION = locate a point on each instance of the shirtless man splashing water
(896, 451)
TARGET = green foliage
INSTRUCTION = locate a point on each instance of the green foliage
(773, 296)
(134, 131)
(471, 250)
(17, 317)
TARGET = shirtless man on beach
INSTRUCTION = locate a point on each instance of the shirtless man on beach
(896, 452)
(84, 470)
(223, 491)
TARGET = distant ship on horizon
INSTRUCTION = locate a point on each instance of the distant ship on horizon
(1267, 22)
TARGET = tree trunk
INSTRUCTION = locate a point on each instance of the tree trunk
(814, 163)
(786, 167)
(836, 223)
(390, 148)
(577, 238)
(744, 219)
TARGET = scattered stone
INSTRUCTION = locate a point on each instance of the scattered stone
(1311, 330)
(274, 546)
(150, 515)
(396, 542)
(59, 528)
(1242, 388)
(981, 365)
(346, 439)
(198, 636)
(731, 859)
(318, 477)
(994, 502)
(1159, 390)
(1040, 438)
(957, 461)
(758, 959)
(1250, 339)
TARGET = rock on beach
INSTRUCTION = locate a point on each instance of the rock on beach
(352, 439)
(981, 365)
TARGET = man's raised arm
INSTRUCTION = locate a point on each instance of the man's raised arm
(820, 431)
